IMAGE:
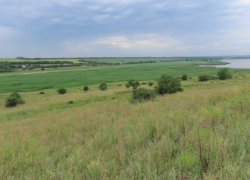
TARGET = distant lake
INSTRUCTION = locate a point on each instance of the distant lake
(233, 63)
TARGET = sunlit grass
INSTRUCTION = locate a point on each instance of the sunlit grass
(202, 132)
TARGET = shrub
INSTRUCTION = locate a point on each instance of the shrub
(103, 86)
(150, 83)
(13, 100)
(224, 74)
(131, 79)
(71, 102)
(42, 69)
(203, 78)
(184, 77)
(85, 88)
(135, 85)
(142, 95)
(62, 91)
(127, 85)
(168, 85)
(212, 77)
(42, 92)
(143, 83)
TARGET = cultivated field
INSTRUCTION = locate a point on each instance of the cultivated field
(201, 133)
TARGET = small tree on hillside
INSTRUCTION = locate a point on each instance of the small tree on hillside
(62, 90)
(150, 83)
(168, 85)
(224, 74)
(135, 84)
(103, 86)
(184, 77)
(13, 100)
(85, 88)
(203, 78)
(142, 95)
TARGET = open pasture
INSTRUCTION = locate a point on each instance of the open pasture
(89, 75)
(201, 133)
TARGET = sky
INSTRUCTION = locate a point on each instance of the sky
(124, 28)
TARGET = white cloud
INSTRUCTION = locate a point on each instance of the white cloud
(180, 4)
(73, 47)
(242, 3)
(139, 41)
(94, 8)
(101, 17)
(7, 31)
(109, 9)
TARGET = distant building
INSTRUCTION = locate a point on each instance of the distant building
(17, 69)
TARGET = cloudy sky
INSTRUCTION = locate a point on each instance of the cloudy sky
(84, 28)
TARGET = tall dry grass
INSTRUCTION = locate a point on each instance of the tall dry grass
(197, 134)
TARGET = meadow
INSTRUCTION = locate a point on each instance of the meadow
(90, 75)
(201, 133)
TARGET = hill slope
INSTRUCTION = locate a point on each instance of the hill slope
(202, 132)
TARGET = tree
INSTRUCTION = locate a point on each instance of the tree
(168, 85)
(224, 74)
(127, 85)
(135, 84)
(13, 100)
(184, 77)
(85, 88)
(142, 95)
(203, 78)
(62, 90)
(150, 83)
(103, 86)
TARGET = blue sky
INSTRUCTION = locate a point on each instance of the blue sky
(84, 28)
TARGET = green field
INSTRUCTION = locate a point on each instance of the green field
(201, 133)
(87, 75)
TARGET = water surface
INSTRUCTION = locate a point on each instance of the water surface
(233, 63)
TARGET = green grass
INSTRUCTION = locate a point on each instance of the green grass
(201, 133)
(74, 77)
(194, 134)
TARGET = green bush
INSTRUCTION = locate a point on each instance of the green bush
(85, 88)
(168, 85)
(142, 95)
(150, 83)
(184, 77)
(103, 86)
(135, 84)
(127, 85)
(213, 77)
(62, 91)
(71, 102)
(224, 74)
(203, 78)
(13, 100)
(42, 92)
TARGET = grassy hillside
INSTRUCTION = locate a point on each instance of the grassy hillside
(202, 132)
